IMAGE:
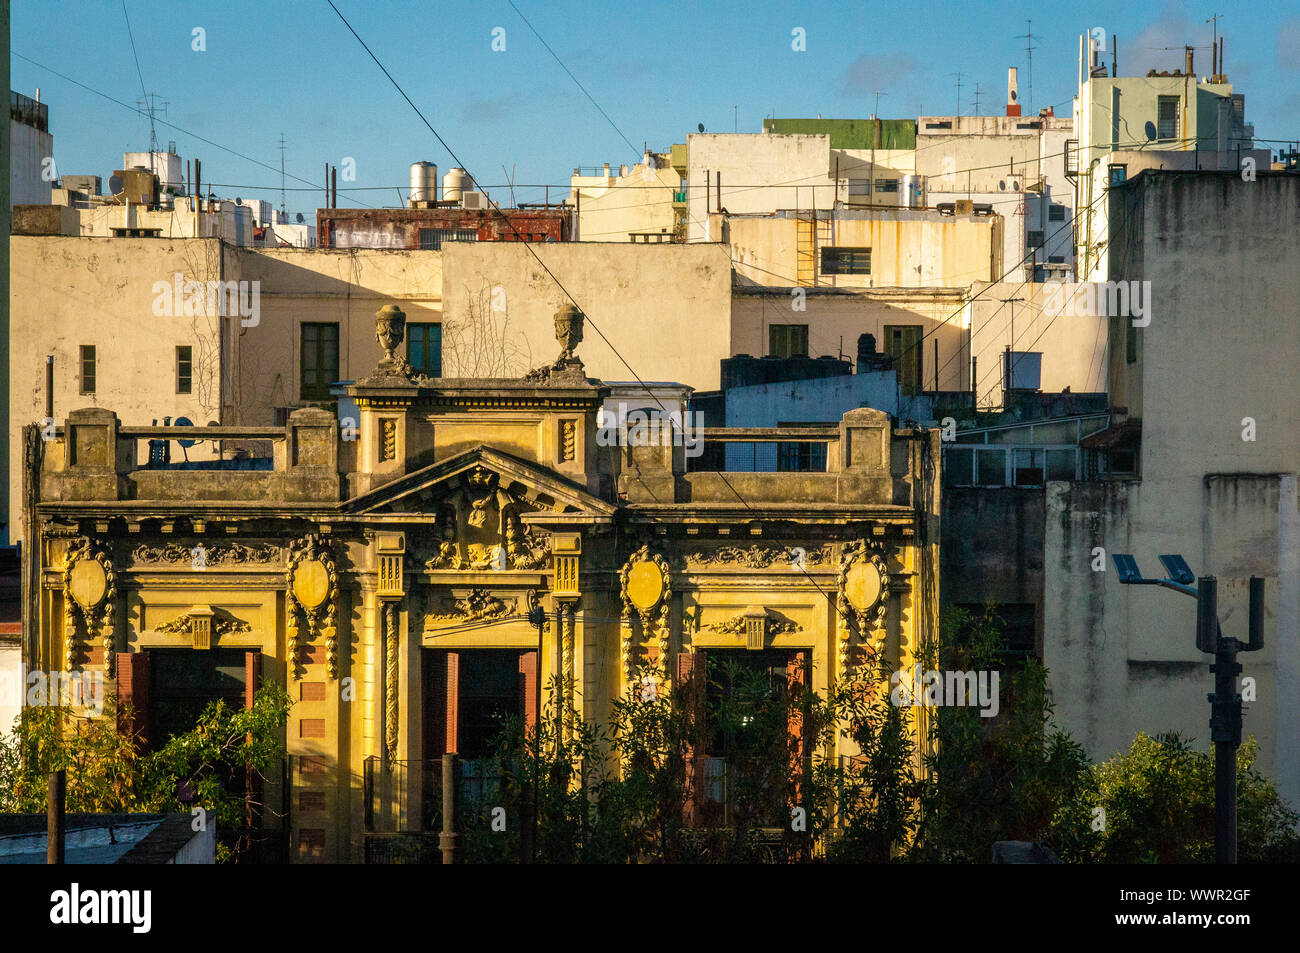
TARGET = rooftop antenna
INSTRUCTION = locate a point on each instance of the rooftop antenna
(735, 118)
(148, 105)
(876, 114)
(977, 99)
(282, 211)
(958, 75)
(1028, 37)
(1214, 47)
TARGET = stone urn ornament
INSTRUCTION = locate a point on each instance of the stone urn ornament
(390, 328)
(568, 331)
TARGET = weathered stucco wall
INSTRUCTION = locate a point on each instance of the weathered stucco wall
(69, 292)
(1222, 255)
(325, 285)
(665, 308)
(836, 319)
(909, 248)
(1073, 345)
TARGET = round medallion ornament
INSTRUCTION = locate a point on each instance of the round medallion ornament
(88, 583)
(863, 585)
(311, 583)
(645, 584)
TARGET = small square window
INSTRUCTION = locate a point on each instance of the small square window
(1056, 213)
(1035, 239)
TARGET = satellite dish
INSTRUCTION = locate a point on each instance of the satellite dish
(300, 218)
(699, 126)
(115, 184)
(184, 422)
(1150, 130)
(238, 200)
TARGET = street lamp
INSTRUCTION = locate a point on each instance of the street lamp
(1225, 700)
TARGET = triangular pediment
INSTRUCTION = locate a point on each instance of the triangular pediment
(533, 487)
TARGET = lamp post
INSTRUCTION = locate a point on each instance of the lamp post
(1225, 700)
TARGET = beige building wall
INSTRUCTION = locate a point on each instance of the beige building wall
(664, 308)
(760, 173)
(909, 248)
(836, 319)
(69, 292)
(346, 287)
(635, 199)
(1210, 487)
(1072, 345)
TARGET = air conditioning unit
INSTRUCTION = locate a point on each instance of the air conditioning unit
(473, 200)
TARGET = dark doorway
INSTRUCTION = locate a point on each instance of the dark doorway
(471, 695)
(183, 682)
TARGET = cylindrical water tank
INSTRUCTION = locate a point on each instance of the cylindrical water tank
(455, 184)
(424, 182)
(912, 191)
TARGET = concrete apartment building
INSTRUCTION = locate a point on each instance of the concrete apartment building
(1124, 124)
(31, 150)
(640, 203)
(1013, 165)
(1200, 459)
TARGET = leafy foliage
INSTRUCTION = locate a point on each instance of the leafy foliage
(218, 765)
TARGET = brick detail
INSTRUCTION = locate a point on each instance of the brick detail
(311, 691)
(311, 801)
(311, 728)
(311, 843)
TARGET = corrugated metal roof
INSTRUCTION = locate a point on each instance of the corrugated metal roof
(851, 133)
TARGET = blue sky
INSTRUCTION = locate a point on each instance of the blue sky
(656, 68)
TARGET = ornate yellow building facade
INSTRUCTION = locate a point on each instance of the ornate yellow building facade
(387, 580)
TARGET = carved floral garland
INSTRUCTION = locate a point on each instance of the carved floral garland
(84, 548)
(652, 620)
(869, 618)
(321, 619)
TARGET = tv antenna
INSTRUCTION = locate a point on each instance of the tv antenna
(977, 99)
(148, 105)
(1028, 37)
(282, 211)
(958, 75)
(878, 95)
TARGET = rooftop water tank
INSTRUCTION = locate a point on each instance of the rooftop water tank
(424, 183)
(454, 184)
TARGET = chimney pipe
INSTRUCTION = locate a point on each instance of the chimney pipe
(1221, 73)
(1013, 100)
(334, 187)
(1187, 61)
(49, 386)
(1114, 55)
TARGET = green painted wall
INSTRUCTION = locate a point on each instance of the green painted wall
(851, 133)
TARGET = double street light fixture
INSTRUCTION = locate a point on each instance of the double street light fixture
(1225, 700)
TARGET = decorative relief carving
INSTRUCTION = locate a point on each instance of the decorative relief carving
(646, 589)
(217, 554)
(477, 605)
(738, 625)
(863, 584)
(391, 673)
(479, 527)
(223, 623)
(757, 556)
(312, 591)
(90, 591)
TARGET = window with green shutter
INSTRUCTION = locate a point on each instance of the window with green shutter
(424, 348)
(787, 340)
(320, 360)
